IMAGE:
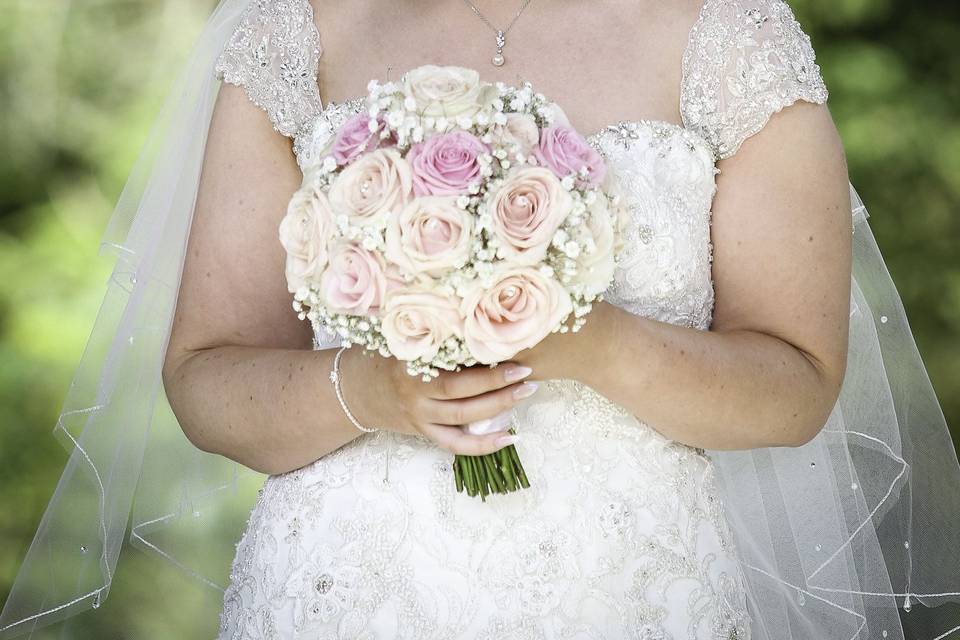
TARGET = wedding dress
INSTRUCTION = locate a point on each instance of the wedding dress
(622, 533)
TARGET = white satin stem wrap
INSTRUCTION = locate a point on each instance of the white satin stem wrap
(835, 535)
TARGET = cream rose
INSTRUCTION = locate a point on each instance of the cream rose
(595, 269)
(521, 308)
(371, 187)
(520, 131)
(304, 233)
(444, 91)
(417, 322)
(526, 210)
(431, 235)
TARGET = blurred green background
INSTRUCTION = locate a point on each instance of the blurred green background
(80, 83)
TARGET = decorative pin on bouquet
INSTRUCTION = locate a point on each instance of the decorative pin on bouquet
(452, 223)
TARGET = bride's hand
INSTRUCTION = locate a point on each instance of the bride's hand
(438, 408)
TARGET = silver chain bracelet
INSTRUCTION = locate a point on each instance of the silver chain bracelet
(335, 379)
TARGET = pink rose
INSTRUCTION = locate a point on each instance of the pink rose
(394, 277)
(527, 210)
(416, 323)
(432, 235)
(372, 186)
(520, 131)
(566, 152)
(304, 233)
(354, 138)
(522, 308)
(446, 164)
(354, 282)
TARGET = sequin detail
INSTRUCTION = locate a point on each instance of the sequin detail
(745, 61)
(273, 54)
(622, 533)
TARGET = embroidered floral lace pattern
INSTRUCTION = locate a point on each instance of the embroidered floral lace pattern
(622, 533)
(273, 54)
(745, 61)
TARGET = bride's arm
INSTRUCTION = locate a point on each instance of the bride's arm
(239, 371)
(770, 369)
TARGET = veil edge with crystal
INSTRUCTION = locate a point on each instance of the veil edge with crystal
(833, 536)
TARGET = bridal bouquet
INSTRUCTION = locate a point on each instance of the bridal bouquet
(452, 222)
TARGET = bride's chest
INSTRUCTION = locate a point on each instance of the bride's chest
(666, 174)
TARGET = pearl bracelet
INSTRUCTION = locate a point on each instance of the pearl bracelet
(335, 379)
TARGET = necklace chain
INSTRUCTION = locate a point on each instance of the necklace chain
(501, 34)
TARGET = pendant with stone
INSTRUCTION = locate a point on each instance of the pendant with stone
(498, 58)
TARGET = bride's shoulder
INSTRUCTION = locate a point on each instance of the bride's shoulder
(744, 61)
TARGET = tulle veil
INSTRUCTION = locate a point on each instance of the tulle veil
(836, 537)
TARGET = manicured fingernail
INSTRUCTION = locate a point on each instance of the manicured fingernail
(499, 422)
(480, 427)
(505, 441)
(525, 390)
(516, 372)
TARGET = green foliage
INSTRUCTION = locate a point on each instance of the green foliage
(81, 83)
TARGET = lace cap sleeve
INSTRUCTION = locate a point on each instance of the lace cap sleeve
(273, 54)
(745, 61)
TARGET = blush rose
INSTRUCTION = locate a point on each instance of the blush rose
(355, 280)
(431, 236)
(371, 187)
(526, 211)
(521, 308)
(416, 323)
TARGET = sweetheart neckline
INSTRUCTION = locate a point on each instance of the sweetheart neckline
(592, 137)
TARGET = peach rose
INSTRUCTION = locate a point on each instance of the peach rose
(520, 130)
(444, 91)
(432, 235)
(304, 233)
(521, 308)
(527, 209)
(355, 281)
(372, 186)
(417, 322)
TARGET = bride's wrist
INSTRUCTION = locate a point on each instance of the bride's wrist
(596, 345)
(354, 391)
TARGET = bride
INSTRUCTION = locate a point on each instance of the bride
(725, 450)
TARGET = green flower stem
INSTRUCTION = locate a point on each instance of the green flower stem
(469, 479)
(494, 474)
(481, 478)
(477, 477)
(521, 474)
(457, 474)
(507, 466)
(484, 478)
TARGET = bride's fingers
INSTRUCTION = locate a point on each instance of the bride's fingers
(481, 407)
(456, 441)
(473, 381)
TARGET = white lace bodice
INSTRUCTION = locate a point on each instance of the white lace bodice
(622, 533)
